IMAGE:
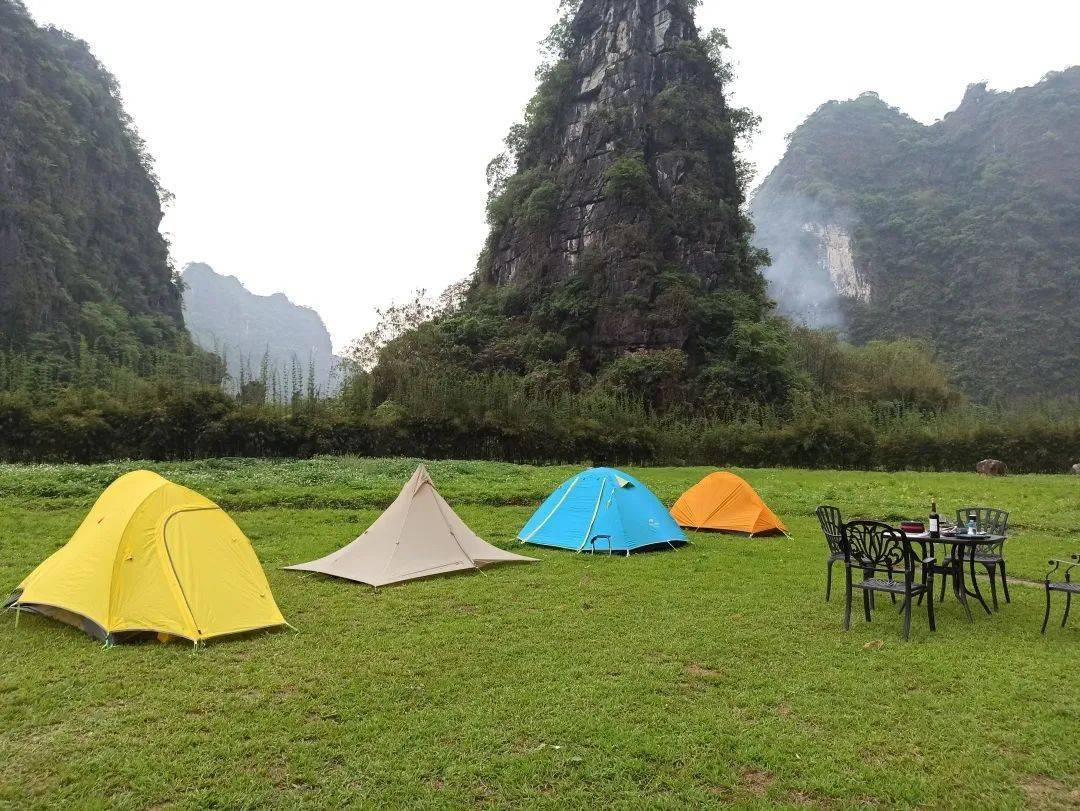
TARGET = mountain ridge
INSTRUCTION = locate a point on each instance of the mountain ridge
(963, 232)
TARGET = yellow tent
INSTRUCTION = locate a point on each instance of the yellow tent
(726, 503)
(153, 557)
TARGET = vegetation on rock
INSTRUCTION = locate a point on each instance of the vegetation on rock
(85, 277)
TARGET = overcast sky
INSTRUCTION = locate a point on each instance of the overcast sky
(334, 150)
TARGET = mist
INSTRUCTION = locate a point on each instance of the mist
(809, 266)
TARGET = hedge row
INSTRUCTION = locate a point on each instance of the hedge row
(190, 428)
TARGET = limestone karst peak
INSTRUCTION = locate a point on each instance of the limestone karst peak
(618, 245)
(612, 165)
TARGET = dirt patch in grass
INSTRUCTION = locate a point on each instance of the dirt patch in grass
(699, 678)
(750, 783)
(1046, 792)
(755, 782)
(699, 671)
(808, 799)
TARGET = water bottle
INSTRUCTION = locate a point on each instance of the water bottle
(973, 526)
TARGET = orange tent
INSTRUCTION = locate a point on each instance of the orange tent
(724, 502)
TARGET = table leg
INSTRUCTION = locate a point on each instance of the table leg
(959, 587)
(975, 582)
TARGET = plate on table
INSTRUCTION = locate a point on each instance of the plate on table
(963, 536)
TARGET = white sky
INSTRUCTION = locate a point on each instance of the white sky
(334, 150)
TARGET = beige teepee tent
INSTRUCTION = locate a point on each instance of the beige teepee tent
(418, 536)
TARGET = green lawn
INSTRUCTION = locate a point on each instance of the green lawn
(713, 674)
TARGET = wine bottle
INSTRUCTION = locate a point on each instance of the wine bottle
(935, 521)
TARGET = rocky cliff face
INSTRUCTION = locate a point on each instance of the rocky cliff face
(617, 182)
(81, 256)
(245, 329)
(619, 255)
(964, 233)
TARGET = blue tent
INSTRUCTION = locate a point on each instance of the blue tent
(602, 510)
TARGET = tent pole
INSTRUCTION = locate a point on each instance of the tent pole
(592, 521)
(18, 612)
(554, 510)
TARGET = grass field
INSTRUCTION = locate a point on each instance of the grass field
(713, 674)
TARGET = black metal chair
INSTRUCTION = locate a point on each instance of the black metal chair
(1070, 588)
(874, 549)
(992, 522)
(832, 524)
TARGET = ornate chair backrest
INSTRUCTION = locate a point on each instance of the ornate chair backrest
(872, 545)
(987, 519)
(833, 526)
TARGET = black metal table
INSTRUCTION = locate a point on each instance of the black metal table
(963, 551)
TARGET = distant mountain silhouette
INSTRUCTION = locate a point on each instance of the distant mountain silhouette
(247, 330)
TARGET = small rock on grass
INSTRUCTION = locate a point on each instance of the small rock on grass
(992, 467)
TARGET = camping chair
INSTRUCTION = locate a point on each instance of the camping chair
(832, 524)
(992, 522)
(874, 549)
(1070, 588)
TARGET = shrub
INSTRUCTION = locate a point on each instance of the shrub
(654, 376)
(541, 205)
(627, 180)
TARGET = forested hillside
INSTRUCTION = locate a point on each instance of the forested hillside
(965, 233)
(84, 270)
